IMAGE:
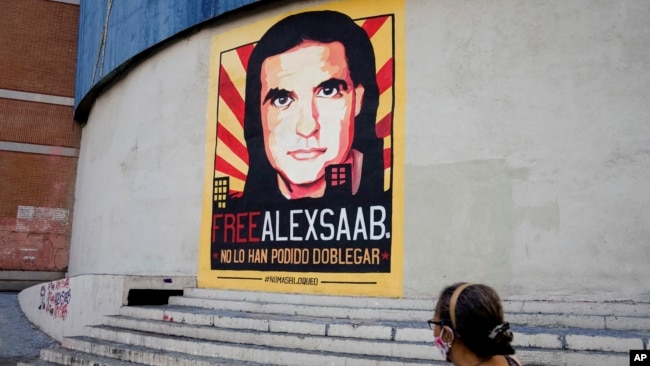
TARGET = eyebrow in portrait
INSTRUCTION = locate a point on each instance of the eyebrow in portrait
(275, 94)
(333, 83)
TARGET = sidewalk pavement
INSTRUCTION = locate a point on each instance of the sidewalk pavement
(20, 340)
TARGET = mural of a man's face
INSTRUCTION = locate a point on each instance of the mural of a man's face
(308, 104)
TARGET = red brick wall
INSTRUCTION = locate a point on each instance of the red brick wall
(38, 39)
(35, 180)
(34, 245)
(38, 123)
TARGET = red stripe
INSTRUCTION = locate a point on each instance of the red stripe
(223, 166)
(244, 53)
(232, 142)
(385, 76)
(230, 95)
(372, 25)
(384, 126)
(387, 157)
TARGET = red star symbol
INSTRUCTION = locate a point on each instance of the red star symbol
(385, 256)
(215, 255)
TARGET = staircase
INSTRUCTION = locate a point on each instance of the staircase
(216, 327)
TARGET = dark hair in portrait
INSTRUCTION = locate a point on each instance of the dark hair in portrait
(323, 27)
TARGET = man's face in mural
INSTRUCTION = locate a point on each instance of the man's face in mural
(308, 105)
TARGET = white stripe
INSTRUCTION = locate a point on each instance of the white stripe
(38, 149)
(35, 97)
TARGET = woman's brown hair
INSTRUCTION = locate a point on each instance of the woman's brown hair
(476, 317)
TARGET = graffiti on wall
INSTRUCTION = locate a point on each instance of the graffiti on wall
(304, 176)
(55, 298)
(36, 240)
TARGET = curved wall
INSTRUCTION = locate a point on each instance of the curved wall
(526, 152)
(113, 32)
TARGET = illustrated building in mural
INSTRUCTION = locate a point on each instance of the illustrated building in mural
(339, 181)
(221, 190)
(39, 140)
(308, 151)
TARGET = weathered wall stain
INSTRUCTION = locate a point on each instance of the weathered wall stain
(34, 245)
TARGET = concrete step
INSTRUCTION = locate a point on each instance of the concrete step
(139, 346)
(133, 342)
(554, 338)
(552, 314)
(38, 362)
(303, 299)
(63, 356)
(536, 357)
(529, 357)
(159, 331)
(340, 311)
(128, 354)
(426, 304)
(276, 323)
(624, 323)
(534, 343)
(209, 327)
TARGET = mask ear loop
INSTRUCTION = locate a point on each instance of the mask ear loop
(452, 302)
(451, 335)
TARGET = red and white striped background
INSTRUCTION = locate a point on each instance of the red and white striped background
(231, 156)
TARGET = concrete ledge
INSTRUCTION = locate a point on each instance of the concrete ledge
(128, 330)
(290, 327)
(413, 335)
(551, 337)
(529, 307)
(360, 331)
(627, 322)
(67, 357)
(537, 340)
(557, 320)
(340, 310)
(320, 300)
(131, 356)
(534, 357)
(335, 311)
(64, 307)
(578, 308)
(292, 355)
(17, 286)
(42, 276)
(20, 280)
(603, 343)
(195, 331)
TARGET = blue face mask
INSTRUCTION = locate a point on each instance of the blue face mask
(441, 345)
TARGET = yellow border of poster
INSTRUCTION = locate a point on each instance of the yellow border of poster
(362, 284)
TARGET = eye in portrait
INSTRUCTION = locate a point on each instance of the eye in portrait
(303, 160)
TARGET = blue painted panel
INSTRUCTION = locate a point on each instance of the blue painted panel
(111, 32)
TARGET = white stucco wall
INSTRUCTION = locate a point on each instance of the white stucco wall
(527, 147)
(140, 169)
(527, 152)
